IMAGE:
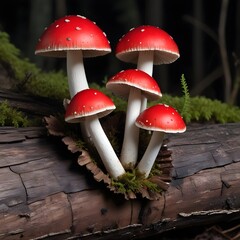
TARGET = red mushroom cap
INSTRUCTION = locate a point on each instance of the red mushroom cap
(147, 38)
(73, 33)
(86, 103)
(161, 117)
(121, 83)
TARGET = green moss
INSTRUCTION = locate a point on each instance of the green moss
(133, 181)
(204, 110)
(29, 78)
(50, 85)
(11, 117)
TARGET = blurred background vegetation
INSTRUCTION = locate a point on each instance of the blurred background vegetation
(207, 33)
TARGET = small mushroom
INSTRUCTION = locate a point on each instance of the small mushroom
(89, 105)
(132, 84)
(160, 119)
(145, 46)
(74, 37)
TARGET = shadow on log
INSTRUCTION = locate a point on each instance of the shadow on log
(45, 194)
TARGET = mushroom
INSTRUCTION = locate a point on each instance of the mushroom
(73, 37)
(147, 45)
(132, 84)
(89, 105)
(160, 119)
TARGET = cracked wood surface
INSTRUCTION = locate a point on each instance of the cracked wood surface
(44, 193)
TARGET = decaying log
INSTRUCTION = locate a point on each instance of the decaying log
(31, 105)
(45, 194)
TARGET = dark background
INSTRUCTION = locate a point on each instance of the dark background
(204, 31)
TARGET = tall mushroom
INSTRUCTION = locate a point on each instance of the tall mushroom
(89, 105)
(160, 119)
(74, 37)
(132, 84)
(145, 46)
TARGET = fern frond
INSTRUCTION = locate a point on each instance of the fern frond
(185, 112)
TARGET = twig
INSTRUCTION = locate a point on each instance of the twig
(223, 50)
(201, 26)
(207, 81)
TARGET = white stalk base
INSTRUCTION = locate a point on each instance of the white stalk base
(104, 148)
(146, 163)
(129, 153)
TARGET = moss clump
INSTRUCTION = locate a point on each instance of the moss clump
(133, 181)
(27, 77)
(203, 109)
(11, 117)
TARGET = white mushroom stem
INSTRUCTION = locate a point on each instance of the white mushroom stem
(77, 81)
(129, 152)
(76, 73)
(146, 163)
(104, 148)
(145, 63)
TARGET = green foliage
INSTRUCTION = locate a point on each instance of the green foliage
(27, 76)
(11, 117)
(51, 85)
(203, 109)
(19, 68)
(134, 182)
(186, 99)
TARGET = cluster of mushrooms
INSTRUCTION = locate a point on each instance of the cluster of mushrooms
(76, 37)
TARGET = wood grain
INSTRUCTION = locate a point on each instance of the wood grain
(45, 194)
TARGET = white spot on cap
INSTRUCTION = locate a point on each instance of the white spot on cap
(142, 30)
(78, 28)
(81, 16)
(166, 105)
(67, 20)
(68, 39)
(57, 25)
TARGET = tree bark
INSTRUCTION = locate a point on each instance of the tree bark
(46, 194)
